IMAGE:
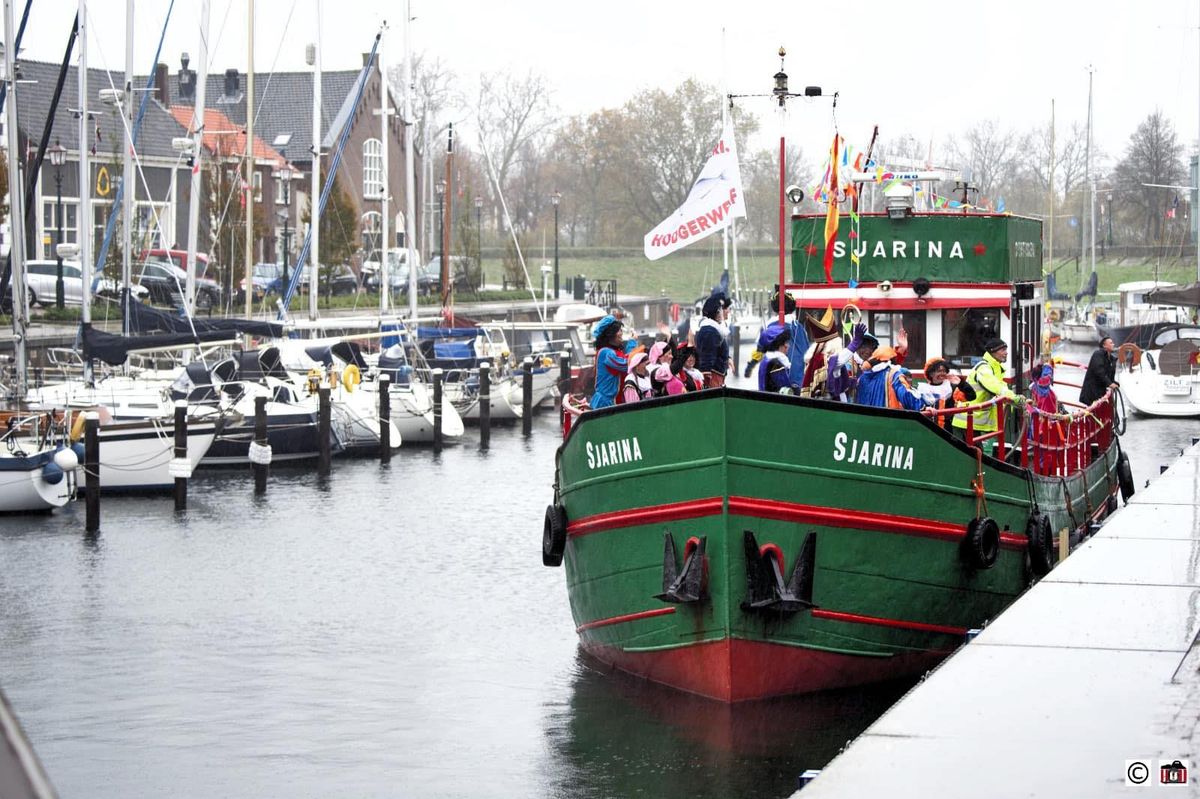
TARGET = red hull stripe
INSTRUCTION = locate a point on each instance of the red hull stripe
(859, 520)
(645, 614)
(675, 511)
(881, 622)
(781, 511)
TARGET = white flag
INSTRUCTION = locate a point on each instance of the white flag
(713, 203)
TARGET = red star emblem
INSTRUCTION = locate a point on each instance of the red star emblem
(980, 249)
(811, 249)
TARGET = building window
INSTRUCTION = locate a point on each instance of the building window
(70, 226)
(372, 229)
(372, 169)
(258, 195)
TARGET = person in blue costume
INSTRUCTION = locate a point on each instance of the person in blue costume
(774, 372)
(884, 384)
(612, 360)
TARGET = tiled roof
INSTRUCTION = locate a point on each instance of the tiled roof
(223, 137)
(284, 100)
(33, 103)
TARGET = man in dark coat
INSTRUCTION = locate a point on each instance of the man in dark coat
(1101, 373)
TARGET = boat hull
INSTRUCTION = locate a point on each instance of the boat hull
(24, 489)
(136, 456)
(890, 590)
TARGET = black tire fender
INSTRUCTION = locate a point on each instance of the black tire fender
(1125, 477)
(554, 535)
(1041, 544)
(981, 545)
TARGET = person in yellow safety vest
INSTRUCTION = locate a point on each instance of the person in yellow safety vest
(987, 379)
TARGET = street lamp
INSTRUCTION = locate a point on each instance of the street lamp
(58, 157)
(554, 198)
(285, 174)
(479, 234)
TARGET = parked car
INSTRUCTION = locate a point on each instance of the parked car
(42, 277)
(179, 258)
(429, 281)
(398, 264)
(268, 279)
(166, 283)
(342, 281)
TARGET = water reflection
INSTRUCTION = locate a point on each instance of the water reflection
(622, 736)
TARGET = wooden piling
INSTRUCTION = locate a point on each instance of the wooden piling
(735, 346)
(91, 469)
(485, 405)
(437, 410)
(323, 432)
(564, 375)
(385, 418)
(527, 396)
(260, 438)
(181, 442)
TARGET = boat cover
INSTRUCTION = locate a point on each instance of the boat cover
(1188, 295)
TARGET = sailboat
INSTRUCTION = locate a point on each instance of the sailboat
(37, 472)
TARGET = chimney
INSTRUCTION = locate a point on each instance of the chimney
(233, 83)
(162, 83)
(366, 58)
(187, 81)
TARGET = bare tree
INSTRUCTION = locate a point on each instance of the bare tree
(992, 155)
(513, 116)
(433, 95)
(1154, 155)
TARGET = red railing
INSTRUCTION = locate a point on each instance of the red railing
(1053, 444)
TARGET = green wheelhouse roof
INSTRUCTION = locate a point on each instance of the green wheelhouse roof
(940, 247)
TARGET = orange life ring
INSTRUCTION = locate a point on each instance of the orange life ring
(1129, 353)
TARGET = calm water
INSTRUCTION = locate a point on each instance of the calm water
(387, 632)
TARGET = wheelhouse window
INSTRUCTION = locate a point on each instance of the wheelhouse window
(372, 169)
(887, 326)
(965, 331)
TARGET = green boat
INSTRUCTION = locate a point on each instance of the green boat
(740, 545)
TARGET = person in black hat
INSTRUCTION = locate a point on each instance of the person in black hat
(712, 341)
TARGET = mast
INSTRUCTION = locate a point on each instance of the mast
(16, 194)
(781, 93)
(410, 231)
(197, 163)
(385, 286)
(1091, 181)
(85, 176)
(447, 215)
(250, 160)
(1053, 166)
(314, 265)
(129, 181)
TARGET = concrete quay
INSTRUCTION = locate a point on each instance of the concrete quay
(1095, 669)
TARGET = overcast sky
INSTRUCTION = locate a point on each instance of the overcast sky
(910, 66)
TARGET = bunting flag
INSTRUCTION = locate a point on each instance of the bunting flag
(831, 217)
(1000, 206)
(1171, 210)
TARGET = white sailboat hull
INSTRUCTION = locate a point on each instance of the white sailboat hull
(135, 456)
(25, 489)
(1153, 394)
